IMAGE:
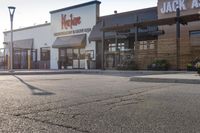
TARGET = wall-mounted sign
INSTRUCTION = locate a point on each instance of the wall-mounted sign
(71, 32)
(69, 22)
(171, 6)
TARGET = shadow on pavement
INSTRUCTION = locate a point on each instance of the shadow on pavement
(34, 90)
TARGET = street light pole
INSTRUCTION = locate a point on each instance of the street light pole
(11, 11)
(178, 39)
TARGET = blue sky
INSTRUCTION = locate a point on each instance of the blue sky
(31, 12)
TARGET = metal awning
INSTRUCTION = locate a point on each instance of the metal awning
(21, 44)
(96, 34)
(166, 21)
(78, 41)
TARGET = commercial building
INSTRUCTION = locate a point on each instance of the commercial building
(135, 38)
(62, 44)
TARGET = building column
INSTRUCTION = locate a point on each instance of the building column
(8, 62)
(102, 48)
(29, 59)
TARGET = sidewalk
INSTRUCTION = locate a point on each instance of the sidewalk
(138, 76)
(187, 78)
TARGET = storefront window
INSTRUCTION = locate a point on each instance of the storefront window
(34, 55)
(2, 59)
(195, 38)
(112, 47)
(62, 52)
(20, 59)
(76, 53)
(82, 53)
(146, 45)
(69, 57)
(121, 46)
(45, 54)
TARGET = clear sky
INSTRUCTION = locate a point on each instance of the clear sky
(33, 12)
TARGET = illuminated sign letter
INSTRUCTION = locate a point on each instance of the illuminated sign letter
(182, 5)
(195, 4)
(168, 8)
(175, 5)
(63, 24)
(163, 9)
(70, 22)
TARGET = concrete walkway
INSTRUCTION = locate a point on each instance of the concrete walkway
(139, 76)
(187, 78)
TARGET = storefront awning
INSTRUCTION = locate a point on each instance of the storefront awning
(96, 34)
(166, 21)
(21, 44)
(70, 41)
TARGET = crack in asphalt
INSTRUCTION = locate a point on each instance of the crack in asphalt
(84, 103)
(78, 104)
(123, 100)
(97, 100)
(55, 124)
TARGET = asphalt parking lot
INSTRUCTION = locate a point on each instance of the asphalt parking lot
(83, 103)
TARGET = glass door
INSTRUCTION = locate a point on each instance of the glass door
(76, 58)
(20, 60)
(24, 59)
(16, 59)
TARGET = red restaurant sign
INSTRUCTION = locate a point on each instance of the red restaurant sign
(69, 23)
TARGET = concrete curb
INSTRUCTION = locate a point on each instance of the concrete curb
(165, 80)
(48, 72)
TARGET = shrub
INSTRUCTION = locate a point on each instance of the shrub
(191, 67)
(159, 65)
(194, 65)
(127, 65)
(197, 65)
(198, 70)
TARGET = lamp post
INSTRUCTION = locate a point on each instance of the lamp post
(11, 11)
(178, 39)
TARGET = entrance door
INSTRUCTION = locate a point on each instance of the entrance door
(76, 59)
(70, 58)
(24, 59)
(16, 60)
(20, 59)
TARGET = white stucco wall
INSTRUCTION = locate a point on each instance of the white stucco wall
(88, 16)
(41, 35)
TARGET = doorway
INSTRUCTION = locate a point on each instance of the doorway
(71, 58)
(20, 59)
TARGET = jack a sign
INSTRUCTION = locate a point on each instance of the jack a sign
(171, 6)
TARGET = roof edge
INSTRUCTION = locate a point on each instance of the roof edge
(136, 11)
(76, 6)
(29, 27)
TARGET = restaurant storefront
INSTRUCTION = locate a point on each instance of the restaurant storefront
(71, 51)
(78, 38)
(124, 48)
(61, 44)
(160, 33)
(71, 28)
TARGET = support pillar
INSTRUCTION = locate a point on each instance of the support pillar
(29, 59)
(178, 39)
(102, 48)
